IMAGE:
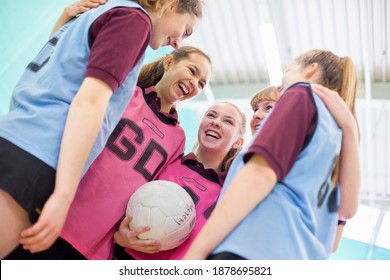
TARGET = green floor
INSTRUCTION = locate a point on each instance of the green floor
(355, 250)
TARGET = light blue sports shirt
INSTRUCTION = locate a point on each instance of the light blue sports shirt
(41, 99)
(298, 219)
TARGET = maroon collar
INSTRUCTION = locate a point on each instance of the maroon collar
(191, 161)
(154, 102)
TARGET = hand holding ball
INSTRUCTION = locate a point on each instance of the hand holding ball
(166, 208)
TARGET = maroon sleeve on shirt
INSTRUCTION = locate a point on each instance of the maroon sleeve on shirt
(287, 130)
(118, 39)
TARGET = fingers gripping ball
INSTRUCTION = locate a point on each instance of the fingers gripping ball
(166, 208)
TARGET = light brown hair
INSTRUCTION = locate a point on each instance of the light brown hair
(338, 74)
(233, 152)
(194, 7)
(152, 73)
(270, 93)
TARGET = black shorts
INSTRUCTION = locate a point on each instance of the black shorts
(60, 250)
(26, 178)
(225, 256)
(120, 253)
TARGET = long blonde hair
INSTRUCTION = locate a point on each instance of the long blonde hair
(233, 152)
(338, 74)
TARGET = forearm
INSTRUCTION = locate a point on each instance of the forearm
(339, 235)
(83, 123)
(251, 185)
(349, 173)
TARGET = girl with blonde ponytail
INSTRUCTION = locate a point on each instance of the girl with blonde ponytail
(281, 197)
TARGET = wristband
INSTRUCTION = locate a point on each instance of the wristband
(341, 223)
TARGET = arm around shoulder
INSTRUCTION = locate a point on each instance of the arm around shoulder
(73, 9)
